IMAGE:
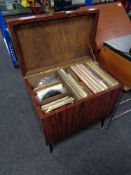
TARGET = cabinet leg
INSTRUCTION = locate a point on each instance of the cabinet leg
(51, 148)
(109, 123)
(102, 123)
(114, 111)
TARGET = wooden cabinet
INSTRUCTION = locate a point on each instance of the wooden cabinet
(48, 42)
(116, 65)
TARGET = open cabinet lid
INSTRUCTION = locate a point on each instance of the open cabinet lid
(45, 40)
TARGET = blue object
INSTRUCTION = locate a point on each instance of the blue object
(63, 8)
(88, 2)
(62, 5)
(128, 6)
(7, 40)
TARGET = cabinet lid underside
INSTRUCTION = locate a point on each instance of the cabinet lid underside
(45, 40)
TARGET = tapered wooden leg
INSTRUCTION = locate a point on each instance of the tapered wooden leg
(102, 123)
(109, 123)
(114, 111)
(51, 148)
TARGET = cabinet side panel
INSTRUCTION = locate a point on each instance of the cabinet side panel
(116, 65)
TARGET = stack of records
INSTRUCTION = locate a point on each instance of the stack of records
(72, 83)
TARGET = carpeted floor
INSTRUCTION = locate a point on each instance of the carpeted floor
(23, 151)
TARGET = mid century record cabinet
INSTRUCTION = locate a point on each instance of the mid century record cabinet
(46, 43)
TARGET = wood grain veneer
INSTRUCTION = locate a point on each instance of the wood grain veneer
(52, 40)
(71, 118)
(116, 65)
(113, 22)
(48, 40)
